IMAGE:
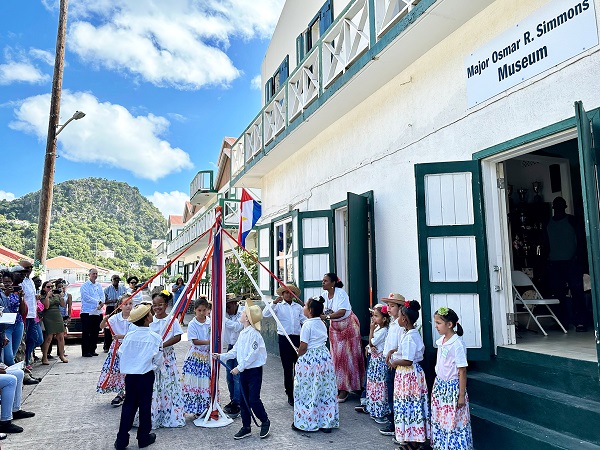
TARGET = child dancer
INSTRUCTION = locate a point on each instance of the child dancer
(450, 418)
(315, 388)
(167, 400)
(411, 410)
(196, 367)
(377, 405)
(393, 302)
(231, 331)
(251, 353)
(141, 354)
(111, 379)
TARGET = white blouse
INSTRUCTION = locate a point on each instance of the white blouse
(313, 333)
(200, 331)
(118, 324)
(379, 336)
(160, 325)
(410, 347)
(451, 355)
(339, 301)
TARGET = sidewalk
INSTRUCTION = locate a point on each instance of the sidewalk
(70, 415)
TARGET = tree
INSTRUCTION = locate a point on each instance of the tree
(237, 281)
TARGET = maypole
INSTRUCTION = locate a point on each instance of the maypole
(214, 416)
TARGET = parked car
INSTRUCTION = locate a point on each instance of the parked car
(74, 326)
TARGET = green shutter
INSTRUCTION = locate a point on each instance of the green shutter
(588, 130)
(266, 259)
(452, 251)
(300, 48)
(315, 249)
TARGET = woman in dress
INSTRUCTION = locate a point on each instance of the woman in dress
(344, 336)
(53, 320)
(177, 289)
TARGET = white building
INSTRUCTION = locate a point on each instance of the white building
(390, 138)
(74, 271)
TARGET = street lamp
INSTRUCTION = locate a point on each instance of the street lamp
(78, 115)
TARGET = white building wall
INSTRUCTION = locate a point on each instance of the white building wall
(422, 116)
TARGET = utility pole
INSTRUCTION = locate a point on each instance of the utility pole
(41, 246)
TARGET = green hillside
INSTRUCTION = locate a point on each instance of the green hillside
(87, 215)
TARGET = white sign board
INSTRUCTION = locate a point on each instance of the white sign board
(552, 35)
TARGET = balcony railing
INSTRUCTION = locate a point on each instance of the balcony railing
(358, 28)
(202, 183)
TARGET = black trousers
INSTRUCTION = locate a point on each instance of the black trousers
(565, 276)
(250, 383)
(139, 396)
(107, 334)
(90, 327)
(288, 360)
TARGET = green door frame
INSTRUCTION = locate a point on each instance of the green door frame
(312, 251)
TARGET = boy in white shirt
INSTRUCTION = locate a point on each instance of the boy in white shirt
(251, 354)
(140, 354)
(232, 328)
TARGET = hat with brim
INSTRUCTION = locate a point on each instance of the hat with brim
(290, 287)
(253, 313)
(394, 298)
(231, 298)
(139, 312)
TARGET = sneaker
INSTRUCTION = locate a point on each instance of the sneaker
(363, 401)
(29, 368)
(361, 409)
(244, 432)
(30, 380)
(227, 407)
(381, 420)
(325, 430)
(6, 426)
(20, 414)
(151, 439)
(390, 430)
(117, 401)
(264, 429)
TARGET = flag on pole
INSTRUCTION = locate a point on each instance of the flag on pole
(250, 212)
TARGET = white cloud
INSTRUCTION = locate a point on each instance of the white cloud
(180, 43)
(255, 83)
(21, 72)
(6, 195)
(43, 56)
(108, 135)
(169, 202)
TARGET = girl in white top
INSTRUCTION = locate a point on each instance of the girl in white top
(111, 379)
(450, 417)
(315, 389)
(411, 408)
(137, 298)
(197, 367)
(167, 399)
(377, 405)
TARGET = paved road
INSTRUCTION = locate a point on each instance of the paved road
(71, 415)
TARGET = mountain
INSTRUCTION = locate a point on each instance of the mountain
(88, 214)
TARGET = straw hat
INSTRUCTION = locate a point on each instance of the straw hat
(139, 312)
(254, 314)
(290, 287)
(394, 298)
(231, 298)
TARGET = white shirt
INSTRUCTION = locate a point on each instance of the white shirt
(411, 347)
(201, 331)
(118, 324)
(451, 355)
(159, 326)
(249, 350)
(141, 351)
(392, 338)
(379, 338)
(29, 293)
(291, 315)
(232, 327)
(137, 298)
(91, 296)
(339, 301)
(314, 333)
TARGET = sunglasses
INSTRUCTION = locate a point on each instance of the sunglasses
(49, 287)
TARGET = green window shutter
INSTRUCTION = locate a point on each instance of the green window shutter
(315, 250)
(268, 90)
(325, 17)
(284, 70)
(265, 256)
(300, 47)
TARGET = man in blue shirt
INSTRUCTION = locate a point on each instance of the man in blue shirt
(112, 298)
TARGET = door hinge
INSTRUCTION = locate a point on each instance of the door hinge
(510, 319)
(501, 182)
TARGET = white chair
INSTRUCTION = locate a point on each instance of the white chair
(519, 279)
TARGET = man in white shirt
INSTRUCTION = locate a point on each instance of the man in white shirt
(92, 301)
(33, 331)
(231, 331)
(140, 354)
(291, 316)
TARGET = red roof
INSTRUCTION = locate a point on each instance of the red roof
(230, 141)
(175, 219)
(8, 256)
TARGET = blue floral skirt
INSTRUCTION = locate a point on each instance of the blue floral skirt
(196, 380)
(315, 391)
(377, 396)
(411, 407)
(450, 425)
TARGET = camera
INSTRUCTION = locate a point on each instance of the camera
(56, 291)
(16, 288)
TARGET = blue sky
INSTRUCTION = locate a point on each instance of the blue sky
(161, 83)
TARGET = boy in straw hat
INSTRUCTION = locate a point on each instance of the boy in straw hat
(140, 354)
(251, 354)
(291, 315)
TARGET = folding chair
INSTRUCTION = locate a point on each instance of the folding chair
(519, 279)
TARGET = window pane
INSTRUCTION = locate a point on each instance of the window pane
(279, 234)
(290, 270)
(289, 239)
(281, 269)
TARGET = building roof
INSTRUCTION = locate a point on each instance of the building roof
(64, 262)
(8, 256)
(174, 219)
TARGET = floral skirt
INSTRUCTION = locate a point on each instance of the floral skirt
(377, 395)
(315, 391)
(167, 401)
(411, 408)
(346, 353)
(450, 425)
(111, 379)
(196, 380)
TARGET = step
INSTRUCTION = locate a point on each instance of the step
(556, 410)
(496, 431)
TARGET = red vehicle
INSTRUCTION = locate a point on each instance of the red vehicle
(74, 326)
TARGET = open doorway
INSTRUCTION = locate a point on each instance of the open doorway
(540, 232)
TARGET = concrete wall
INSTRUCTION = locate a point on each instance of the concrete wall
(375, 146)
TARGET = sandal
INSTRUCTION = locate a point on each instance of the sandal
(343, 399)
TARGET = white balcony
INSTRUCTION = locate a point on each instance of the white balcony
(201, 188)
(363, 49)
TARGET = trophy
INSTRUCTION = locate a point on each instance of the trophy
(522, 195)
(537, 187)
